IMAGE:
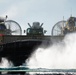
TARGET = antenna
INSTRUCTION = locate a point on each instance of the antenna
(71, 12)
(63, 18)
(6, 17)
(63, 21)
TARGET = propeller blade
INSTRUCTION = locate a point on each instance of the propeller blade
(9, 25)
(15, 31)
(13, 27)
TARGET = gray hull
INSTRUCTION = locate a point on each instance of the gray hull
(19, 48)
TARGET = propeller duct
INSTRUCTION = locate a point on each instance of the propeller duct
(13, 28)
(57, 29)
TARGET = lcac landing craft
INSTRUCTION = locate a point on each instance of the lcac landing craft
(17, 47)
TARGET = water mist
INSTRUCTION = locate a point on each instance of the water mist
(60, 55)
(5, 64)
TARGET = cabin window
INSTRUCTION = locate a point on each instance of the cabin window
(28, 30)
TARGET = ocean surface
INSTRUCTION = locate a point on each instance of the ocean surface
(37, 71)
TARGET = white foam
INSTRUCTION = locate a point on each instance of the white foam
(58, 56)
(5, 63)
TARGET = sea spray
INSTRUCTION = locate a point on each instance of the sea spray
(5, 64)
(58, 56)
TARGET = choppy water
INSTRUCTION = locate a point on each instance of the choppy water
(39, 71)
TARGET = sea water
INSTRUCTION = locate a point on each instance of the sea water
(61, 55)
(60, 58)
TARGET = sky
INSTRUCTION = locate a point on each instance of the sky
(48, 12)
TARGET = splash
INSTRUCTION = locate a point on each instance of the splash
(58, 56)
(5, 63)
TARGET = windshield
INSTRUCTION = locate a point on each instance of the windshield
(35, 31)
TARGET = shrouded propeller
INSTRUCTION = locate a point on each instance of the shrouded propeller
(58, 28)
(12, 28)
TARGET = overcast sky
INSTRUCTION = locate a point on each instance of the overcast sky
(45, 11)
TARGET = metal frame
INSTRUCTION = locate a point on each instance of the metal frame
(16, 24)
(55, 26)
